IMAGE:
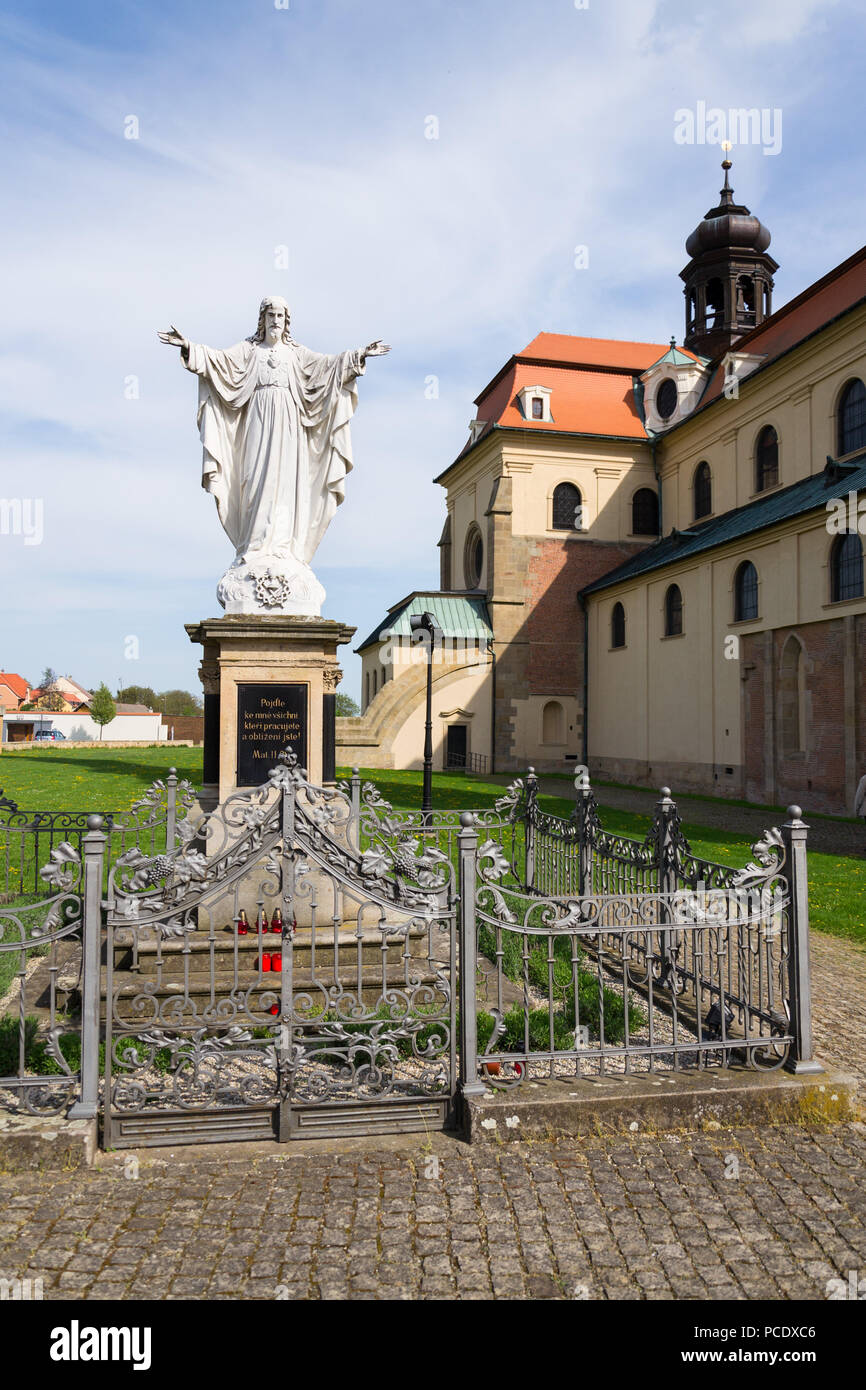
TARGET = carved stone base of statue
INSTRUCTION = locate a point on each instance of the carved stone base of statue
(286, 587)
(269, 683)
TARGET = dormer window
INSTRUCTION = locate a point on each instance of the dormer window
(535, 403)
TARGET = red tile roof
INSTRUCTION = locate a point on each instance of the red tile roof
(583, 401)
(17, 684)
(591, 381)
(593, 352)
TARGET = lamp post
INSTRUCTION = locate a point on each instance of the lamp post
(426, 623)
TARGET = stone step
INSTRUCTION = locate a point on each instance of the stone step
(201, 988)
(174, 955)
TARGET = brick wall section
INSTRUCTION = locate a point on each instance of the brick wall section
(820, 778)
(186, 726)
(558, 570)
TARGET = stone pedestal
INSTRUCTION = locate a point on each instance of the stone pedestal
(269, 682)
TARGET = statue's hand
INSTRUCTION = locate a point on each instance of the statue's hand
(173, 338)
(377, 349)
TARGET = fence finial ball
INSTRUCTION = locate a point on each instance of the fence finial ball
(94, 822)
(467, 820)
(664, 791)
(795, 812)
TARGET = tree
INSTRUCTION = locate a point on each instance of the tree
(347, 708)
(50, 698)
(178, 702)
(138, 695)
(102, 708)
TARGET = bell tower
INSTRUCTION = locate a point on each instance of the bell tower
(729, 279)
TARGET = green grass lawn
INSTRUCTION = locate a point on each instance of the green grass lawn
(837, 883)
(111, 779)
(91, 779)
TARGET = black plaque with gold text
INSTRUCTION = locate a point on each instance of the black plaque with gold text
(271, 718)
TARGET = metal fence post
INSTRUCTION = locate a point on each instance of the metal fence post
(666, 816)
(795, 872)
(170, 809)
(355, 786)
(467, 839)
(584, 843)
(93, 845)
(529, 828)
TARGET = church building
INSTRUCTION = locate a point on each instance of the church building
(652, 557)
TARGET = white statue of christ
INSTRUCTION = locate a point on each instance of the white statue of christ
(274, 424)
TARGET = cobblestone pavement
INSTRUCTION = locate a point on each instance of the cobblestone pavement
(643, 1217)
(827, 835)
(839, 1005)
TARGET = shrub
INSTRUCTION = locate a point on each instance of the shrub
(590, 994)
(9, 1035)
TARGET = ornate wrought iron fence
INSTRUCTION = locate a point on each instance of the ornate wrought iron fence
(574, 952)
(618, 954)
(27, 838)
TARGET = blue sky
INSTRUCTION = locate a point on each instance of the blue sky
(305, 127)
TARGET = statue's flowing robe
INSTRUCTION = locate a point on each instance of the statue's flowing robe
(274, 426)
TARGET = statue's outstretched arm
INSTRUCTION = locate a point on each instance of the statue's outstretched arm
(173, 338)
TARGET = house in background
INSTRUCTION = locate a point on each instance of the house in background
(14, 690)
(74, 695)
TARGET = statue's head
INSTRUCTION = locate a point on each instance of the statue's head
(274, 313)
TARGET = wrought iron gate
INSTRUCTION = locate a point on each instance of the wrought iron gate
(290, 965)
(271, 977)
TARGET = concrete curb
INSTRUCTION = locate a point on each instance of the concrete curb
(548, 1109)
(34, 1143)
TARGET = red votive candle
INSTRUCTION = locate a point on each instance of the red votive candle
(266, 961)
(277, 960)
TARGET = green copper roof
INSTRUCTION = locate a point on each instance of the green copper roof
(805, 496)
(457, 614)
(675, 358)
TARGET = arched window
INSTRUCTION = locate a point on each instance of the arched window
(745, 592)
(852, 418)
(553, 723)
(617, 626)
(673, 611)
(746, 301)
(473, 558)
(702, 487)
(566, 507)
(645, 513)
(791, 700)
(846, 567)
(367, 700)
(715, 303)
(766, 459)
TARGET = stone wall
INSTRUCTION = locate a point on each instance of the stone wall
(824, 775)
